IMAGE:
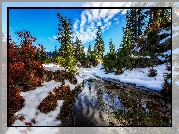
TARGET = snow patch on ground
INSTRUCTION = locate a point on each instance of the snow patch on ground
(139, 76)
(52, 67)
(32, 99)
(164, 32)
(163, 40)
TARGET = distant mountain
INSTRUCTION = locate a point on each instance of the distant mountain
(49, 54)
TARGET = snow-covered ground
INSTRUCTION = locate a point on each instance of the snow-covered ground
(139, 76)
(33, 98)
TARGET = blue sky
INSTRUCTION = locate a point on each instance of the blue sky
(43, 23)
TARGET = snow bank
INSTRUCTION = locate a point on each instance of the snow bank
(164, 32)
(163, 40)
(165, 53)
(139, 76)
(52, 67)
(32, 99)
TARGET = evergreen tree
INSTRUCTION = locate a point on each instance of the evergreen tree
(109, 59)
(111, 47)
(123, 55)
(99, 47)
(66, 56)
(89, 51)
(55, 55)
(65, 37)
(79, 50)
(91, 56)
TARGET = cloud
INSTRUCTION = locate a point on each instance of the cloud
(75, 25)
(53, 38)
(85, 28)
(85, 49)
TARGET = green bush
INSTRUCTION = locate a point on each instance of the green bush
(68, 63)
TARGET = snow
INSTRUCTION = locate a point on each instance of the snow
(72, 86)
(52, 67)
(163, 40)
(140, 56)
(168, 52)
(32, 99)
(139, 76)
(164, 32)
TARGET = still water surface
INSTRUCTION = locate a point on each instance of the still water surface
(92, 104)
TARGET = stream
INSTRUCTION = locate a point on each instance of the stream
(104, 103)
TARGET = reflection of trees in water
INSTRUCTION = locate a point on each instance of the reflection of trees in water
(66, 113)
(139, 108)
(142, 107)
(99, 97)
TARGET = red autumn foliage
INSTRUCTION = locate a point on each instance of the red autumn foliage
(25, 69)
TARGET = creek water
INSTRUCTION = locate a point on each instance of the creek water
(92, 104)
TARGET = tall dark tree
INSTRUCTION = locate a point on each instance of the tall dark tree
(111, 47)
(109, 59)
(123, 55)
(99, 46)
(67, 51)
(91, 56)
(79, 50)
(65, 37)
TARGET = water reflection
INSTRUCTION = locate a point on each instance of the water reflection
(92, 104)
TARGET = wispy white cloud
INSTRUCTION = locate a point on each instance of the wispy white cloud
(85, 49)
(53, 38)
(85, 28)
(75, 25)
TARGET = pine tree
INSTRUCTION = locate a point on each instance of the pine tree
(109, 59)
(123, 55)
(55, 55)
(111, 47)
(91, 56)
(79, 50)
(99, 46)
(65, 37)
(66, 56)
(89, 51)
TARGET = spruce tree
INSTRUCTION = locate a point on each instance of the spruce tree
(91, 56)
(66, 56)
(55, 55)
(123, 55)
(111, 47)
(65, 37)
(109, 59)
(99, 46)
(79, 50)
